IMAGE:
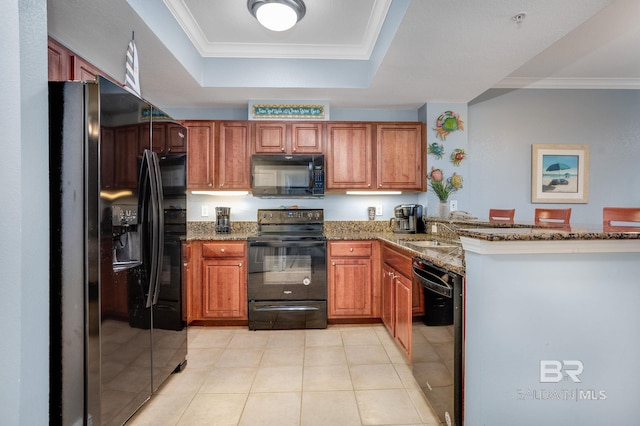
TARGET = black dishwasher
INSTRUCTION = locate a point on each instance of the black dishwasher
(437, 345)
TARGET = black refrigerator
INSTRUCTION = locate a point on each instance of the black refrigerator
(117, 323)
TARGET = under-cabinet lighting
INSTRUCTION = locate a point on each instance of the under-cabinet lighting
(374, 192)
(229, 193)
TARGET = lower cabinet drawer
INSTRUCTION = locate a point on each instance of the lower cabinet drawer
(350, 249)
(223, 249)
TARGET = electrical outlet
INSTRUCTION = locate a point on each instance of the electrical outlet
(453, 205)
(378, 210)
(205, 211)
(434, 229)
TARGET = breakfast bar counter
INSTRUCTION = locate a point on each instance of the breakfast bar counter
(552, 326)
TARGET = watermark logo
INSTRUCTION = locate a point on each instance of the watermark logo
(553, 371)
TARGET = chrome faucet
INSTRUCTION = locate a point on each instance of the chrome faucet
(449, 228)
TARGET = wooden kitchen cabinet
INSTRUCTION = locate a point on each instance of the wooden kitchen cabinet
(349, 156)
(60, 65)
(403, 314)
(401, 156)
(85, 71)
(375, 156)
(353, 289)
(224, 280)
(234, 156)
(201, 154)
(280, 137)
(65, 65)
(397, 297)
(176, 138)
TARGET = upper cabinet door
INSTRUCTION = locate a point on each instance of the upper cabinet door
(401, 156)
(307, 138)
(84, 71)
(176, 138)
(270, 138)
(234, 155)
(65, 65)
(201, 154)
(59, 62)
(348, 157)
(279, 137)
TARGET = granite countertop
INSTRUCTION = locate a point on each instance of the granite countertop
(538, 233)
(448, 255)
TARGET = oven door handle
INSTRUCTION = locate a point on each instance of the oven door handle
(287, 308)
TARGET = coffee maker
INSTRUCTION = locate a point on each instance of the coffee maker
(408, 219)
(223, 223)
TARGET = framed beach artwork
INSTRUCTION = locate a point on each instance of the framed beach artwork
(559, 173)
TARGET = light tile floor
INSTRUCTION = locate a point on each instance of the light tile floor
(344, 375)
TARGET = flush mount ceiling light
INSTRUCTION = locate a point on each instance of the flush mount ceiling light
(277, 15)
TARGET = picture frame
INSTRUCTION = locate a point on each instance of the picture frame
(559, 173)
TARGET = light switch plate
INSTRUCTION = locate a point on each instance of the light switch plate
(205, 211)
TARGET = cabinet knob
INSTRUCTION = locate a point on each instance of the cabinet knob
(351, 249)
(333, 263)
(240, 265)
(368, 185)
(185, 264)
(209, 184)
(294, 149)
(282, 148)
(221, 250)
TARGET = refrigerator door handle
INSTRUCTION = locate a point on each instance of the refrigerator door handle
(156, 180)
(143, 214)
(148, 206)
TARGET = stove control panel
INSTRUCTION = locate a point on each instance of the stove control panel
(290, 216)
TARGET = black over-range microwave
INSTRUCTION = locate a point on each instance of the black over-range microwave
(287, 176)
